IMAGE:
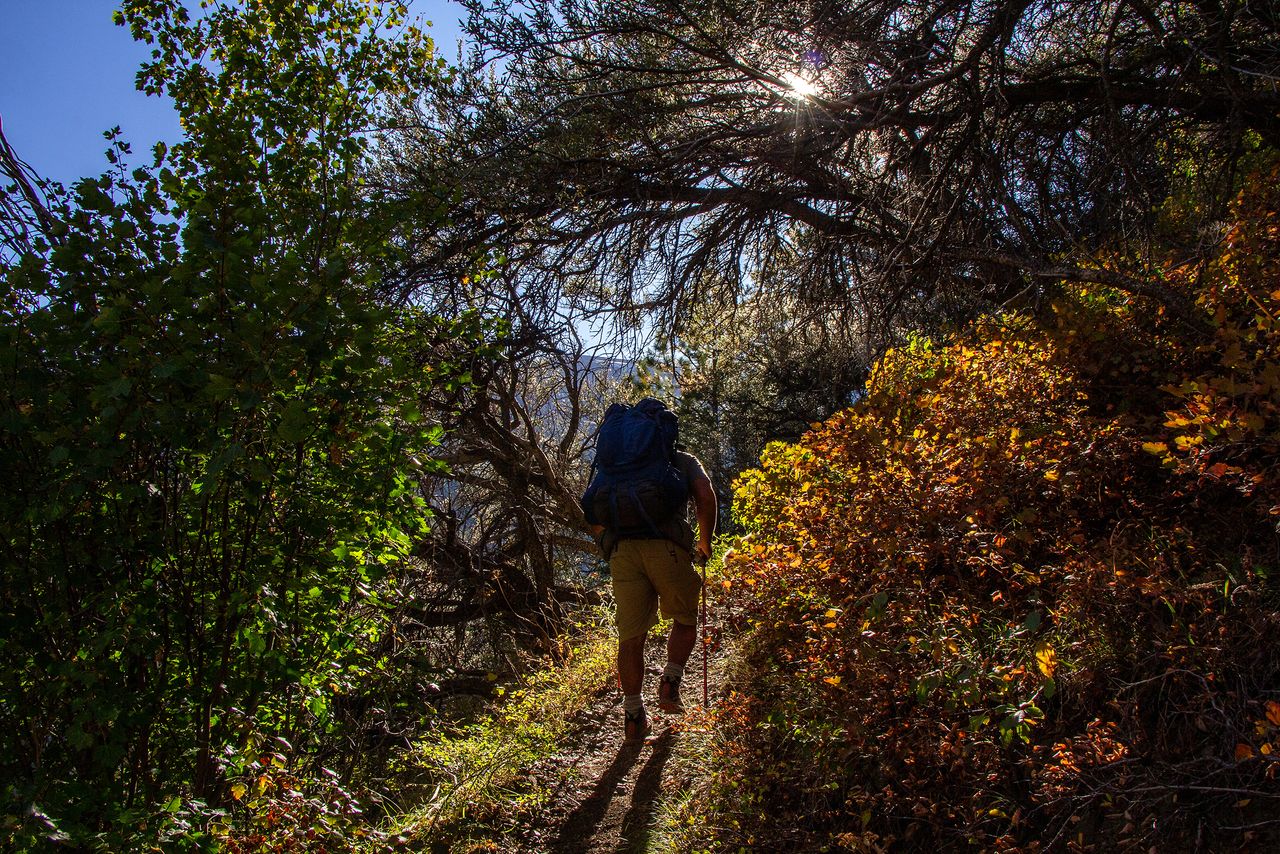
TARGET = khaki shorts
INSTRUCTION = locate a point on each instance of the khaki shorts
(648, 574)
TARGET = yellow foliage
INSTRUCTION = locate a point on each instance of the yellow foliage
(1046, 659)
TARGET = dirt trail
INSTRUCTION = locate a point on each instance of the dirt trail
(611, 802)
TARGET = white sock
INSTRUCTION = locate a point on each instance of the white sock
(673, 672)
(632, 703)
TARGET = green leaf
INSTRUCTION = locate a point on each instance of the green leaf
(295, 423)
(219, 387)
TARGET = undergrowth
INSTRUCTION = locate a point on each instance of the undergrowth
(475, 783)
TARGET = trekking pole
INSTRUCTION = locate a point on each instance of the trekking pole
(705, 693)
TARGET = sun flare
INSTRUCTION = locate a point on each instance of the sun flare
(802, 87)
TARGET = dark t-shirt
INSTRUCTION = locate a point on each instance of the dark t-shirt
(677, 528)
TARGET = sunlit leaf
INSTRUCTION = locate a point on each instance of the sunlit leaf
(1046, 659)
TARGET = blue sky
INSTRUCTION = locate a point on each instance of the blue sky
(67, 75)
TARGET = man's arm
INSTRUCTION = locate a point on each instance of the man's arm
(704, 501)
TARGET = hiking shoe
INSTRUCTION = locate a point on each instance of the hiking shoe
(635, 727)
(669, 694)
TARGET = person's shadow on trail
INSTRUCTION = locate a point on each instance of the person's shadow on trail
(579, 828)
(644, 799)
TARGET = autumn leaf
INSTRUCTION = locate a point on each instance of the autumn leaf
(1046, 659)
(1273, 712)
(1243, 752)
(1156, 448)
(238, 790)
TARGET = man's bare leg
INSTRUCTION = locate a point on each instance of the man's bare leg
(631, 665)
(680, 643)
(679, 646)
(631, 678)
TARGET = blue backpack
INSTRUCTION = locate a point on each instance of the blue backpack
(635, 485)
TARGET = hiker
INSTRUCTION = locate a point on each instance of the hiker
(637, 505)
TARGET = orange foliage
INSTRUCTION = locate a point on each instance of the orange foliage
(1022, 593)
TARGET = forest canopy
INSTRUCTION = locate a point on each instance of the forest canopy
(890, 161)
